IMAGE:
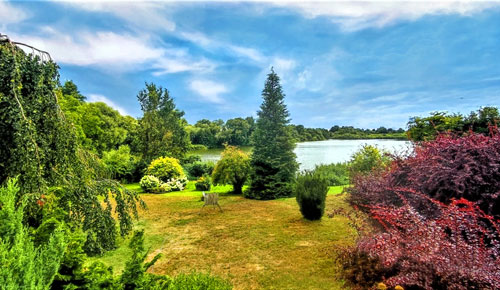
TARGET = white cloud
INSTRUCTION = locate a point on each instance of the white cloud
(100, 48)
(149, 15)
(209, 90)
(359, 15)
(112, 51)
(93, 98)
(10, 14)
(213, 45)
(167, 65)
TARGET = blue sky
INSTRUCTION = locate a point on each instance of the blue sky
(366, 64)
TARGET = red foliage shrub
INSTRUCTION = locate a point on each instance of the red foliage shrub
(439, 211)
(447, 168)
(458, 250)
(453, 168)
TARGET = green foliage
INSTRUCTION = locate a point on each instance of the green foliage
(150, 183)
(38, 143)
(198, 169)
(192, 158)
(162, 129)
(273, 160)
(233, 168)
(99, 127)
(203, 183)
(335, 174)
(70, 89)
(367, 159)
(165, 168)
(427, 128)
(349, 132)
(302, 134)
(24, 265)
(133, 275)
(214, 134)
(310, 191)
(120, 163)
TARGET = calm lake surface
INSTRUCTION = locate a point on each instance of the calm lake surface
(310, 154)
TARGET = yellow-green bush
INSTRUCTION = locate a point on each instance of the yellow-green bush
(165, 168)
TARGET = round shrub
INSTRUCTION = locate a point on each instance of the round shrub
(203, 183)
(310, 191)
(150, 183)
(165, 168)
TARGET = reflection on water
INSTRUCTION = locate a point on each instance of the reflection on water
(310, 154)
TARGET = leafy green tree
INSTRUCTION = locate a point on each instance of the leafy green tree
(367, 159)
(120, 163)
(24, 265)
(273, 160)
(427, 128)
(70, 89)
(162, 129)
(99, 127)
(38, 144)
(238, 132)
(480, 120)
(233, 168)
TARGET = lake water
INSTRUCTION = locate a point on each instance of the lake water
(310, 154)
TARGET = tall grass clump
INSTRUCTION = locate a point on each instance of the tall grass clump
(310, 191)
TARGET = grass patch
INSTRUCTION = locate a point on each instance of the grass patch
(253, 244)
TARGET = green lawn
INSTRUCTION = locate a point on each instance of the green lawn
(253, 244)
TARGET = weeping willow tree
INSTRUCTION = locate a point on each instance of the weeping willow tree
(39, 146)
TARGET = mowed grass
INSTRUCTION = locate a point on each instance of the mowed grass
(253, 244)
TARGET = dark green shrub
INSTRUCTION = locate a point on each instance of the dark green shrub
(310, 191)
(199, 169)
(120, 163)
(189, 159)
(203, 183)
(335, 173)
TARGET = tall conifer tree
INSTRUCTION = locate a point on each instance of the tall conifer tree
(273, 160)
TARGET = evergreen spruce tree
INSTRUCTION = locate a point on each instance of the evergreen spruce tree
(273, 160)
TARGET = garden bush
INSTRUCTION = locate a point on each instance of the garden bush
(176, 184)
(150, 183)
(203, 183)
(233, 168)
(368, 159)
(460, 249)
(335, 174)
(455, 167)
(198, 169)
(165, 169)
(310, 191)
(438, 213)
(190, 159)
(120, 163)
(447, 168)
